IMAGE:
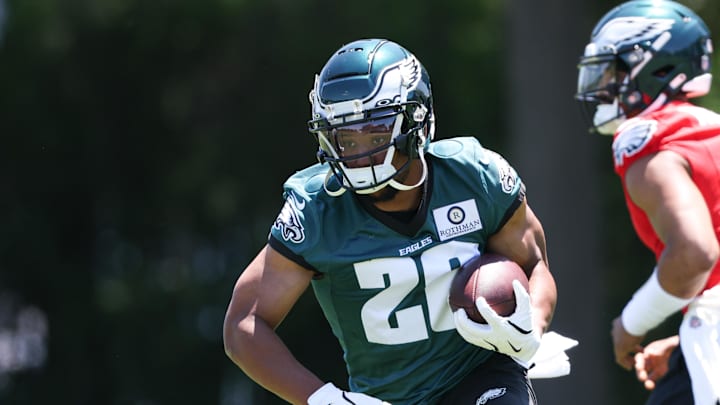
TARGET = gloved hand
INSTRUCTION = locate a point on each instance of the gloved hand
(329, 394)
(512, 335)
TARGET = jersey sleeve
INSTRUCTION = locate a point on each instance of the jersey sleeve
(294, 231)
(644, 135)
(503, 188)
(635, 138)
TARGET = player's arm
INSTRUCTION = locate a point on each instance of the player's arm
(661, 185)
(263, 295)
(522, 239)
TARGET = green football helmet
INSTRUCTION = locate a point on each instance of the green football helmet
(642, 54)
(371, 100)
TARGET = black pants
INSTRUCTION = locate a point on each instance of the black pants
(675, 387)
(498, 381)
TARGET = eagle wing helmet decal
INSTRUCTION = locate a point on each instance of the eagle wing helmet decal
(410, 72)
(631, 28)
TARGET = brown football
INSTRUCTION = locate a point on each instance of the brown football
(486, 275)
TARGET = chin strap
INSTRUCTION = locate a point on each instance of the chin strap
(332, 193)
(608, 117)
(404, 187)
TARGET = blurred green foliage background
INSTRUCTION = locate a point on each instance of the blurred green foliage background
(144, 145)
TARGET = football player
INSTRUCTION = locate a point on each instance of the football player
(378, 227)
(645, 61)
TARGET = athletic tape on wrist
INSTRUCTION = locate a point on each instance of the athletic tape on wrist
(649, 306)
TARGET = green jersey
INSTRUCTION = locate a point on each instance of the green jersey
(383, 283)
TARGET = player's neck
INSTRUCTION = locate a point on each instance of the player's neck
(405, 200)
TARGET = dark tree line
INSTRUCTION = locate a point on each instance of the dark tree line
(144, 145)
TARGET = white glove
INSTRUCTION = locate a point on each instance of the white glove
(329, 394)
(512, 335)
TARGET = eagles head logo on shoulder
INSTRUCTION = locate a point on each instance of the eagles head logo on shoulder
(632, 138)
(288, 221)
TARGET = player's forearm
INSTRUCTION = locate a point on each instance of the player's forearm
(683, 270)
(682, 286)
(261, 354)
(544, 296)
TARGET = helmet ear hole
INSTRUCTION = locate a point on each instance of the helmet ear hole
(401, 143)
(409, 144)
(663, 71)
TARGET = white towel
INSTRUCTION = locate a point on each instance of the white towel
(550, 359)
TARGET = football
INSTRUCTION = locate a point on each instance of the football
(490, 276)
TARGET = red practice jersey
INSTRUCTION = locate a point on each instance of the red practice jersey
(688, 130)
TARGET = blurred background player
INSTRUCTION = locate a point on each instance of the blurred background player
(645, 60)
(378, 229)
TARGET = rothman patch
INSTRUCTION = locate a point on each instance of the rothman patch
(457, 219)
